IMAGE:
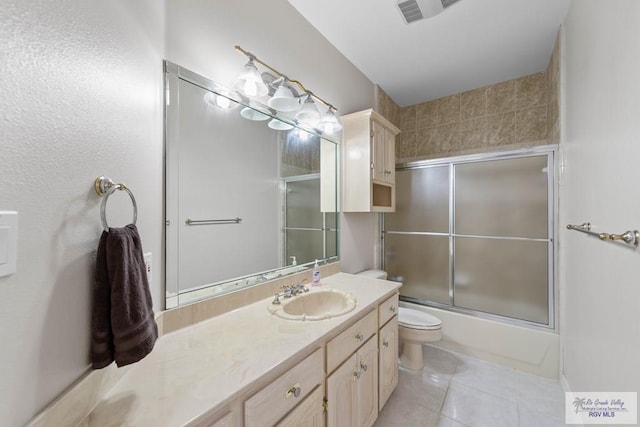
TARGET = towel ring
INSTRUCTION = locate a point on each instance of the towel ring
(105, 187)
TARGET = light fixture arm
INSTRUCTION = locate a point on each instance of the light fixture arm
(278, 73)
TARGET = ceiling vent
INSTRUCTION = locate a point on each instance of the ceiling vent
(415, 10)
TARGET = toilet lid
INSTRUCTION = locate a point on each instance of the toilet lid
(415, 319)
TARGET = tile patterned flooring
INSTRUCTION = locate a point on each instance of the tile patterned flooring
(454, 390)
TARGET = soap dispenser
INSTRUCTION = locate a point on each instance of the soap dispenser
(293, 260)
(316, 274)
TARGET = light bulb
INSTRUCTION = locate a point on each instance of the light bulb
(250, 81)
(330, 123)
(250, 88)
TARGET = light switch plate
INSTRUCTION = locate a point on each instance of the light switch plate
(148, 265)
(8, 242)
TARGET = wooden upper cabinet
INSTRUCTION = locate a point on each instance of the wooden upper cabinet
(368, 155)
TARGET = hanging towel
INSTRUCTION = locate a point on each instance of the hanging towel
(123, 324)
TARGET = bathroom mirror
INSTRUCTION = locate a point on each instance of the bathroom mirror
(250, 195)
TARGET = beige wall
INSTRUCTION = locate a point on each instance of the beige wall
(506, 115)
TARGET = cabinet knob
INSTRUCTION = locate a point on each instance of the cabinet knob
(356, 374)
(359, 337)
(294, 391)
(363, 366)
(385, 343)
(392, 309)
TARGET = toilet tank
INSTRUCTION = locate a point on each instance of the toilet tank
(374, 274)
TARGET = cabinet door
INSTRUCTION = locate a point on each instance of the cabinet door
(390, 156)
(341, 389)
(367, 383)
(378, 152)
(306, 414)
(388, 347)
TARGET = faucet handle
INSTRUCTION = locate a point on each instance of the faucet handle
(276, 300)
(301, 287)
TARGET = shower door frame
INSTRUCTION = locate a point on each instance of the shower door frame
(551, 151)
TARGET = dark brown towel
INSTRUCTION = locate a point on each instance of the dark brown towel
(123, 324)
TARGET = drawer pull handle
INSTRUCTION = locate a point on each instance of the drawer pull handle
(364, 366)
(392, 309)
(356, 374)
(359, 337)
(385, 343)
(294, 391)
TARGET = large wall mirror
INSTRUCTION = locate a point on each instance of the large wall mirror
(249, 194)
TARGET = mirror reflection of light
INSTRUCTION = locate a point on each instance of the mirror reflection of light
(219, 101)
(223, 102)
(302, 135)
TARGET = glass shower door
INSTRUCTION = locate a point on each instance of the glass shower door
(502, 238)
(416, 238)
(475, 235)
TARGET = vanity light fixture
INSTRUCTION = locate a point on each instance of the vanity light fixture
(330, 123)
(250, 81)
(309, 113)
(286, 99)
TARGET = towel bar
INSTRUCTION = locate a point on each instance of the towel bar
(105, 187)
(631, 237)
(235, 220)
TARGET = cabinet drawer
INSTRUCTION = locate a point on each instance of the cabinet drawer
(308, 414)
(342, 346)
(387, 310)
(272, 402)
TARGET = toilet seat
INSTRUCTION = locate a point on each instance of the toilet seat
(415, 319)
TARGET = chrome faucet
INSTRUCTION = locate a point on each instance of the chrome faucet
(290, 291)
(300, 287)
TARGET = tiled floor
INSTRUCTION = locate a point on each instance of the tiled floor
(454, 390)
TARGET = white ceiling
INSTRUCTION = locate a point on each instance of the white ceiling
(472, 43)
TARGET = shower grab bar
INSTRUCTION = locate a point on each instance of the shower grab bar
(235, 220)
(631, 237)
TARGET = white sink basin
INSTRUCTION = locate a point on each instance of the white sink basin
(315, 305)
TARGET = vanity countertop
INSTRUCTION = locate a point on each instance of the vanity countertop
(205, 366)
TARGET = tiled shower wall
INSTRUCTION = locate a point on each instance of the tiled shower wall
(513, 114)
(387, 107)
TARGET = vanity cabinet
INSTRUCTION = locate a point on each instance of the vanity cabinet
(352, 390)
(273, 402)
(387, 349)
(388, 353)
(369, 163)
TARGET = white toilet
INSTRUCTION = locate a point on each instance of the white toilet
(414, 328)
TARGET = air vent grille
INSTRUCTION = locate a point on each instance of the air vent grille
(410, 10)
(447, 3)
(415, 10)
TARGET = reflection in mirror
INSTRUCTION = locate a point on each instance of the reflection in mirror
(249, 196)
